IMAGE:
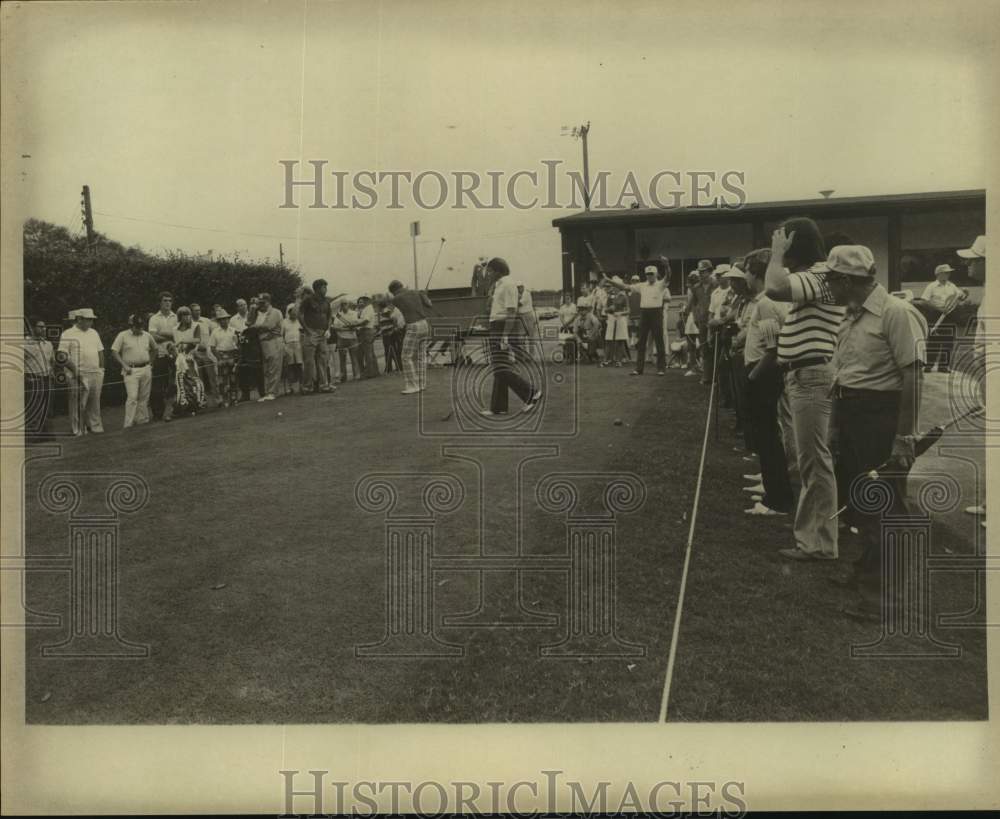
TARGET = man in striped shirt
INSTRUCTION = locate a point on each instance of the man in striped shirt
(806, 344)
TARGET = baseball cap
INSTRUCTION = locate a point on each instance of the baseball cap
(721, 269)
(733, 273)
(705, 264)
(944, 268)
(977, 251)
(851, 260)
(650, 268)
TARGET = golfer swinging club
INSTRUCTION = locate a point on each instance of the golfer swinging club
(504, 323)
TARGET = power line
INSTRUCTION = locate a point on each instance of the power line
(316, 239)
(258, 235)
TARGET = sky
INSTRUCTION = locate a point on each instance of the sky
(177, 115)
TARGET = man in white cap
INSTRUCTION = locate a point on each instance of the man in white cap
(652, 294)
(941, 297)
(81, 352)
(876, 389)
(716, 300)
(977, 272)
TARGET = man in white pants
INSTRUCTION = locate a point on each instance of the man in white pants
(134, 350)
(82, 354)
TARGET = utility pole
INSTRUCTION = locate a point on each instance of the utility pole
(281, 254)
(580, 132)
(414, 233)
(88, 217)
(584, 130)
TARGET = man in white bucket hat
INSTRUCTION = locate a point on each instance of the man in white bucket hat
(81, 353)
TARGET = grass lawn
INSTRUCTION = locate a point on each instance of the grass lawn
(265, 505)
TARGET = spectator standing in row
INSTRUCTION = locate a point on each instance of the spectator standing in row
(345, 325)
(207, 368)
(806, 347)
(39, 358)
(529, 320)
(134, 350)
(764, 390)
(567, 317)
(239, 321)
(942, 295)
(391, 328)
(249, 369)
(161, 328)
(587, 330)
(367, 326)
(315, 316)
(716, 300)
(733, 332)
(225, 348)
(616, 323)
(415, 307)
(268, 323)
(291, 336)
(81, 352)
(877, 381)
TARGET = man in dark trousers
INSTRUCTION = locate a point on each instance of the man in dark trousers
(876, 389)
(504, 356)
(315, 314)
(764, 377)
(652, 294)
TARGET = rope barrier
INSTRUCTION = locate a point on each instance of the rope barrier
(665, 700)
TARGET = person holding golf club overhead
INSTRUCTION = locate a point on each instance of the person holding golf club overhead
(415, 306)
(653, 293)
(876, 389)
(503, 355)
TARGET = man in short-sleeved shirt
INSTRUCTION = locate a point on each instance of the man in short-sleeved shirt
(503, 355)
(877, 376)
(38, 360)
(82, 353)
(764, 387)
(940, 297)
(135, 350)
(942, 293)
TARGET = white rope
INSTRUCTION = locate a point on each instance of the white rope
(665, 700)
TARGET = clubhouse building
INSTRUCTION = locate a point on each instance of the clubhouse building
(909, 234)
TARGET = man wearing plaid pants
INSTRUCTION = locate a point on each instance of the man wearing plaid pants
(414, 306)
